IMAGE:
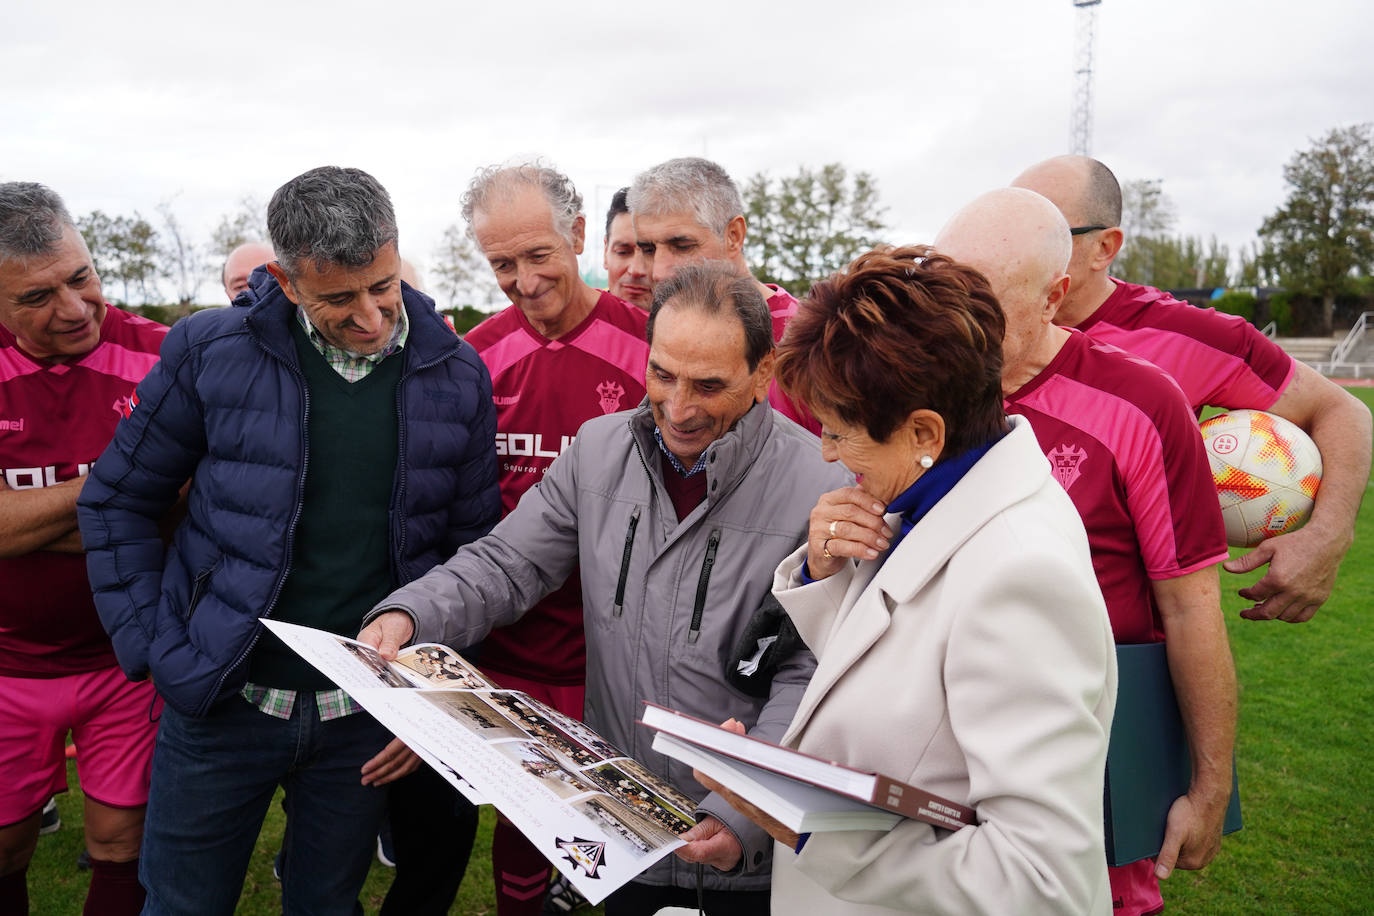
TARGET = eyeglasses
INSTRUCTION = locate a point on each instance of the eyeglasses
(1083, 230)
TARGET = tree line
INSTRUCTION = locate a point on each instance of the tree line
(1318, 245)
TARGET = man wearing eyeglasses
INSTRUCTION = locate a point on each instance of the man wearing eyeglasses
(1223, 361)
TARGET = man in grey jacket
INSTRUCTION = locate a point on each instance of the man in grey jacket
(678, 512)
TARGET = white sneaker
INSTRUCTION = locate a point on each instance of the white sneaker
(50, 821)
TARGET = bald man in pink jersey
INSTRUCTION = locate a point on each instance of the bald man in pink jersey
(1222, 361)
(1124, 444)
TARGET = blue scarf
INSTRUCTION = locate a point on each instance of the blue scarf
(931, 487)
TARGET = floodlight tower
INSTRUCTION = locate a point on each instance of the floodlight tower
(1081, 119)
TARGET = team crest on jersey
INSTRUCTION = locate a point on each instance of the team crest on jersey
(125, 406)
(588, 855)
(610, 393)
(1064, 461)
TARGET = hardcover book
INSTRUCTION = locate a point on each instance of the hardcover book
(804, 793)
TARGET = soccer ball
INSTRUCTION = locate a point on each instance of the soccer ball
(1266, 470)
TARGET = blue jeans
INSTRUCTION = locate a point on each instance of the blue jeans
(212, 781)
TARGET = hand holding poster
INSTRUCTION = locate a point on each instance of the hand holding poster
(599, 816)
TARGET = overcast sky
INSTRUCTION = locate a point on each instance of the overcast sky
(120, 106)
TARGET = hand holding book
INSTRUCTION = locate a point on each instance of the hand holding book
(775, 829)
(799, 792)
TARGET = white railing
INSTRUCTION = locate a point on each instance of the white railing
(1342, 350)
(1270, 330)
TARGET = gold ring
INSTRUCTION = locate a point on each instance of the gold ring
(832, 528)
(825, 549)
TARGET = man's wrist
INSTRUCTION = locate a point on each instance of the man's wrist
(1214, 792)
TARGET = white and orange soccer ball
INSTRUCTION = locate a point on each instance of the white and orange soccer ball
(1267, 471)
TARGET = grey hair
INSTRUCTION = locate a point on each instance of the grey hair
(32, 217)
(708, 287)
(693, 184)
(330, 215)
(497, 184)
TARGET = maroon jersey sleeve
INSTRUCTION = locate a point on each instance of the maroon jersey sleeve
(1217, 359)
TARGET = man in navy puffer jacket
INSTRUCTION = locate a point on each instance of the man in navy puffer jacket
(339, 441)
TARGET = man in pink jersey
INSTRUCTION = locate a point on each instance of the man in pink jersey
(68, 366)
(625, 271)
(561, 354)
(1124, 444)
(688, 211)
(1222, 361)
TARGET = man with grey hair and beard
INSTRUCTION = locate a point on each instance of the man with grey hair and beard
(339, 442)
(689, 211)
(561, 354)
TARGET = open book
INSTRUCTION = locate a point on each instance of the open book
(599, 816)
(804, 793)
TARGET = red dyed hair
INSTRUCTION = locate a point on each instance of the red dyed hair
(898, 330)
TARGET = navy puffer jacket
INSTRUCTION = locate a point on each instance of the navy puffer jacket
(225, 408)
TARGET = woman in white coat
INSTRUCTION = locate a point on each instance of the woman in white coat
(961, 639)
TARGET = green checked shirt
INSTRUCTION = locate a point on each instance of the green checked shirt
(332, 704)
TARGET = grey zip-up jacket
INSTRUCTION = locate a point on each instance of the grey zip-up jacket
(665, 602)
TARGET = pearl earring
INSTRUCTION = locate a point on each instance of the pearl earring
(926, 462)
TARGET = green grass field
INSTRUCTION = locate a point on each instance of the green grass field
(1305, 748)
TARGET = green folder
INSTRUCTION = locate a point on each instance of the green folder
(1148, 765)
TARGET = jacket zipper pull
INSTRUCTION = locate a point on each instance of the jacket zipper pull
(699, 606)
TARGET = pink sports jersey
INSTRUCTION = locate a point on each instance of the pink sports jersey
(782, 305)
(55, 420)
(544, 391)
(1217, 359)
(1122, 442)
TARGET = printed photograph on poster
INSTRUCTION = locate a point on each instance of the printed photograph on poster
(531, 716)
(672, 814)
(440, 666)
(601, 817)
(540, 764)
(475, 713)
(637, 835)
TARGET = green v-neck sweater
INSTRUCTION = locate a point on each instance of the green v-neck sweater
(340, 549)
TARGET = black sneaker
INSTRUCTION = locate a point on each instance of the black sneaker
(562, 897)
(50, 821)
(83, 861)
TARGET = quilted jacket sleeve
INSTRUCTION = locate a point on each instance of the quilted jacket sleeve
(132, 485)
(478, 507)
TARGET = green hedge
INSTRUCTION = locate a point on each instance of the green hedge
(1236, 303)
